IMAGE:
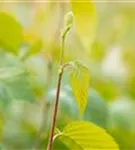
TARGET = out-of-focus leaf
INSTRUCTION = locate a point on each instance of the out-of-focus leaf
(37, 66)
(96, 110)
(10, 33)
(14, 84)
(85, 19)
(86, 136)
(109, 89)
(122, 114)
(122, 122)
(80, 85)
(14, 80)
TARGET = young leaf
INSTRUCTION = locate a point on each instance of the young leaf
(80, 84)
(68, 22)
(85, 19)
(10, 33)
(87, 136)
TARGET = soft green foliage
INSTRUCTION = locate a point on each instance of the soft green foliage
(10, 33)
(32, 32)
(96, 110)
(14, 80)
(122, 121)
(80, 84)
(14, 86)
(67, 106)
(86, 136)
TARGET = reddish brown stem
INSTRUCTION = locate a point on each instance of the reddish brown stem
(49, 147)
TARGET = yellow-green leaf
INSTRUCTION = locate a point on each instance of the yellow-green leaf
(80, 84)
(10, 33)
(85, 19)
(87, 136)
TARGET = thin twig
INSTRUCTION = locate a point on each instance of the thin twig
(49, 147)
(61, 70)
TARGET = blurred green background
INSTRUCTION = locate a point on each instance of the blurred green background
(29, 54)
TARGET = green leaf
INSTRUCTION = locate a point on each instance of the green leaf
(87, 136)
(10, 33)
(85, 19)
(80, 84)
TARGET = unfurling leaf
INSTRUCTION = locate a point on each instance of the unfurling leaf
(85, 20)
(80, 84)
(87, 136)
(10, 33)
(68, 20)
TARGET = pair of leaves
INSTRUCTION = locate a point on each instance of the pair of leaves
(86, 136)
(80, 85)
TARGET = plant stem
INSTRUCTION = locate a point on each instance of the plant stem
(62, 49)
(63, 36)
(61, 67)
(49, 147)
